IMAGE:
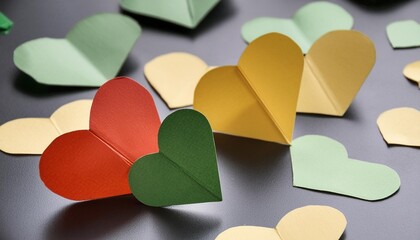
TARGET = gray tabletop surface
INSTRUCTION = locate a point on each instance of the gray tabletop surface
(256, 176)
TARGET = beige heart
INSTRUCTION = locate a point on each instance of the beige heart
(400, 126)
(310, 222)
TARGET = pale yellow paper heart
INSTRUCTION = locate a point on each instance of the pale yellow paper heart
(412, 72)
(400, 126)
(310, 222)
(174, 76)
(33, 135)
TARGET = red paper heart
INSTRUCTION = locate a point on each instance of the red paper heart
(92, 164)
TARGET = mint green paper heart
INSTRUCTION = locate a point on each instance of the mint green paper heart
(322, 163)
(187, 13)
(404, 34)
(92, 52)
(185, 169)
(308, 24)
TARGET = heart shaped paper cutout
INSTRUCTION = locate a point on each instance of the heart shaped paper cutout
(185, 13)
(92, 52)
(92, 164)
(309, 222)
(308, 24)
(404, 34)
(321, 163)
(185, 169)
(400, 126)
(336, 67)
(256, 99)
(33, 135)
(412, 71)
(174, 76)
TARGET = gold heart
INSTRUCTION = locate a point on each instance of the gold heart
(336, 67)
(258, 97)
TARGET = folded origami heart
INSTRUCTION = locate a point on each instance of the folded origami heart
(92, 164)
(336, 67)
(322, 163)
(185, 169)
(412, 71)
(404, 34)
(257, 98)
(309, 222)
(92, 52)
(33, 135)
(187, 13)
(174, 76)
(308, 24)
(400, 126)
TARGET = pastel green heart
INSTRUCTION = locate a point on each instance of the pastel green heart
(185, 169)
(404, 34)
(92, 52)
(308, 24)
(187, 13)
(322, 163)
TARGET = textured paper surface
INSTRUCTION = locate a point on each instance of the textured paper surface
(404, 34)
(308, 24)
(185, 169)
(309, 222)
(256, 99)
(174, 76)
(33, 135)
(321, 163)
(335, 68)
(94, 50)
(92, 164)
(412, 72)
(187, 13)
(5, 24)
(400, 126)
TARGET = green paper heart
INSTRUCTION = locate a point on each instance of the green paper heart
(5, 24)
(187, 13)
(92, 52)
(308, 24)
(322, 163)
(185, 169)
(404, 34)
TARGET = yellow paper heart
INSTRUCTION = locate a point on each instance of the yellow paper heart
(33, 135)
(257, 98)
(174, 76)
(412, 71)
(400, 126)
(336, 66)
(310, 222)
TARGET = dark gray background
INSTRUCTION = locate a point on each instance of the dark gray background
(256, 176)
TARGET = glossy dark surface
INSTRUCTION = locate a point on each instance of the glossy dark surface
(256, 176)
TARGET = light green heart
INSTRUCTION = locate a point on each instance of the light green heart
(92, 52)
(404, 34)
(321, 163)
(187, 13)
(308, 24)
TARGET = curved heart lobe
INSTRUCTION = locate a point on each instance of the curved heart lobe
(92, 164)
(185, 169)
